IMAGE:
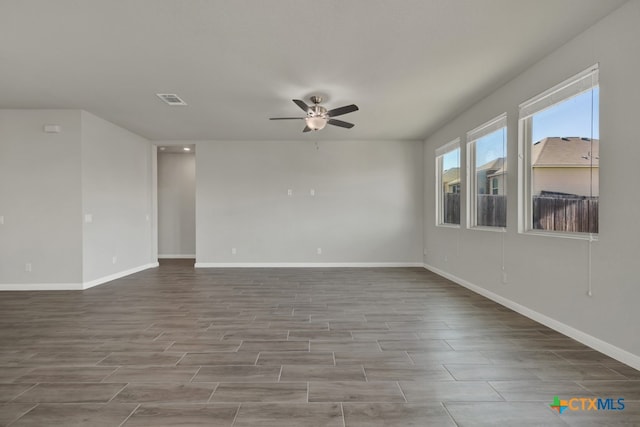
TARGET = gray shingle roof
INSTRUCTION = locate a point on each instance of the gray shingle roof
(566, 152)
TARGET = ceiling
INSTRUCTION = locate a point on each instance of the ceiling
(409, 65)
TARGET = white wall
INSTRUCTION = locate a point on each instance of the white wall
(40, 198)
(367, 206)
(549, 275)
(176, 205)
(116, 192)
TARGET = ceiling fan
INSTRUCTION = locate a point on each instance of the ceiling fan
(318, 116)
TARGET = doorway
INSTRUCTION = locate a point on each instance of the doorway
(176, 204)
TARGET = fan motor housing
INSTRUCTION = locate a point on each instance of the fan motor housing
(317, 110)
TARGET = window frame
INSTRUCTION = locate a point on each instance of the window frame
(582, 82)
(487, 128)
(439, 193)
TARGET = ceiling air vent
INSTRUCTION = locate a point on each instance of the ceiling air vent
(171, 99)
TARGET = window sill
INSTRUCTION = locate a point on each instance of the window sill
(575, 236)
(487, 228)
(448, 225)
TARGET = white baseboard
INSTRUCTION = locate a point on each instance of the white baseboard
(610, 350)
(176, 256)
(73, 286)
(41, 287)
(110, 277)
(305, 264)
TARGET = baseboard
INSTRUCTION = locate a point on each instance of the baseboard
(109, 278)
(305, 264)
(41, 287)
(176, 256)
(610, 350)
(73, 286)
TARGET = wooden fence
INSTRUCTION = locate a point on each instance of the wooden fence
(572, 214)
(492, 210)
(451, 212)
(565, 214)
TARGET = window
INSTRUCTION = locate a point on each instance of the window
(487, 177)
(448, 184)
(560, 147)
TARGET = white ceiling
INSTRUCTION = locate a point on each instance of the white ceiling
(408, 64)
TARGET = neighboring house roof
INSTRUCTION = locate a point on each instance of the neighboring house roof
(495, 167)
(499, 172)
(451, 176)
(566, 152)
(492, 165)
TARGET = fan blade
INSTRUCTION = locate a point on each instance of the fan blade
(286, 118)
(306, 129)
(301, 104)
(342, 110)
(340, 123)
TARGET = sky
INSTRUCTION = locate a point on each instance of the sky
(572, 117)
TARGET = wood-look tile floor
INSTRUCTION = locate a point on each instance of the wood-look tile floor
(176, 346)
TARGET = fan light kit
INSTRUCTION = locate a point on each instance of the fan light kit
(318, 116)
(316, 123)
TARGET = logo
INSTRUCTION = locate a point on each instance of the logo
(587, 404)
(559, 405)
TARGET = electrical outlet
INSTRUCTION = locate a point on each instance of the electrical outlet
(312, 192)
(27, 267)
(88, 218)
(234, 251)
(1, 220)
(289, 192)
(504, 277)
(114, 259)
(319, 251)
